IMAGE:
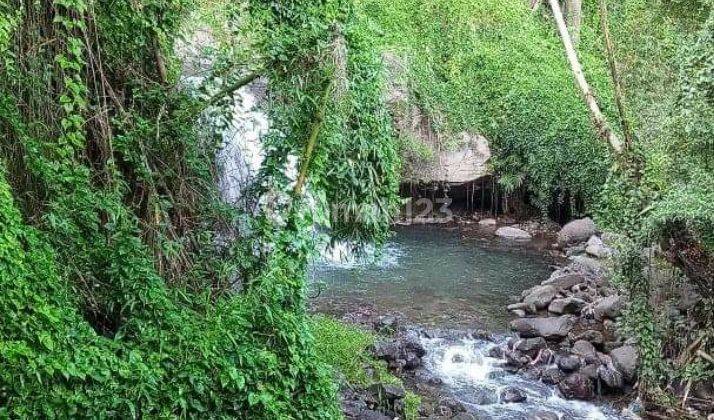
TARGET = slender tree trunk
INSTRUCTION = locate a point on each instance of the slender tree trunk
(574, 9)
(619, 96)
(596, 114)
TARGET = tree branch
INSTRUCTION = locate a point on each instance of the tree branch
(228, 90)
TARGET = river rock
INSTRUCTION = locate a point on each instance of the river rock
(586, 350)
(625, 360)
(569, 305)
(510, 232)
(590, 372)
(540, 297)
(543, 415)
(487, 222)
(611, 377)
(372, 415)
(565, 281)
(387, 350)
(579, 230)
(592, 336)
(597, 248)
(552, 327)
(551, 375)
(513, 395)
(576, 386)
(608, 307)
(568, 363)
(386, 324)
(588, 264)
(387, 392)
(531, 344)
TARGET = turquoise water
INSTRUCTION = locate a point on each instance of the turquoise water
(435, 276)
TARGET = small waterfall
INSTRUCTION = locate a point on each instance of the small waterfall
(478, 380)
(241, 156)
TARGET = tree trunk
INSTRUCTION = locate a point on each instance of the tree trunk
(597, 116)
(574, 9)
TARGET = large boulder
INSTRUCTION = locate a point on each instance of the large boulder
(569, 305)
(579, 230)
(608, 307)
(540, 297)
(549, 328)
(510, 232)
(625, 360)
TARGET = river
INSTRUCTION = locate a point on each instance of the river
(440, 278)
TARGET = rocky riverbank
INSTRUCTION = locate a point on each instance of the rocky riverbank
(566, 326)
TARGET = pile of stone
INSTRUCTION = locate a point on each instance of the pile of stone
(566, 326)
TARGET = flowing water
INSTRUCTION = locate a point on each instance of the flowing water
(438, 278)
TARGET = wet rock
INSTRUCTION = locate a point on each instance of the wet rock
(487, 222)
(611, 377)
(372, 415)
(517, 306)
(531, 344)
(510, 232)
(565, 281)
(549, 328)
(551, 375)
(597, 248)
(608, 307)
(387, 392)
(485, 397)
(625, 360)
(540, 297)
(579, 230)
(388, 351)
(576, 386)
(543, 415)
(496, 352)
(450, 405)
(568, 363)
(516, 359)
(512, 395)
(569, 305)
(387, 324)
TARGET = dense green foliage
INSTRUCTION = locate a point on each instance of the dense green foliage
(493, 67)
(115, 289)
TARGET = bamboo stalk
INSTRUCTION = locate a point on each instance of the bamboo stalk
(596, 114)
(312, 140)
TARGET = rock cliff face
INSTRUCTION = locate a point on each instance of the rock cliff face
(431, 155)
